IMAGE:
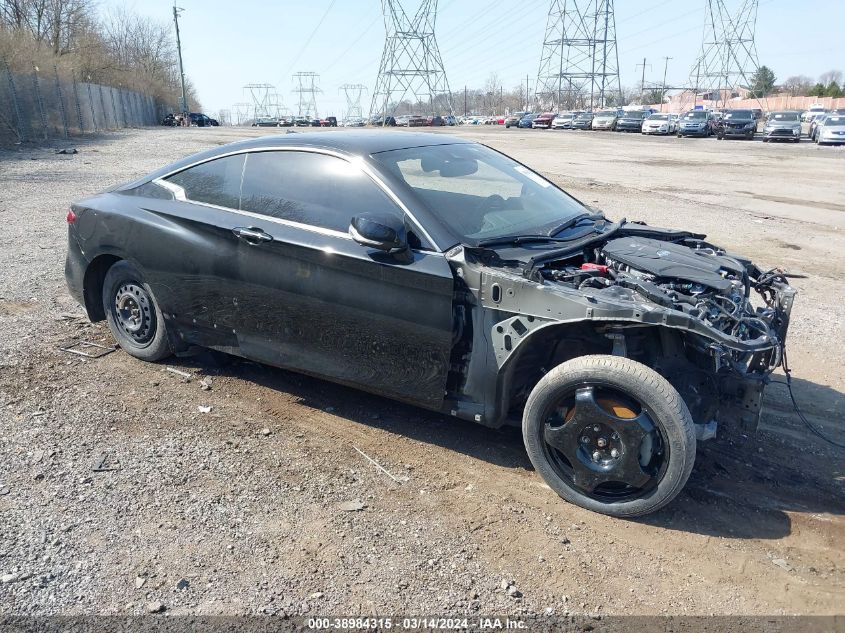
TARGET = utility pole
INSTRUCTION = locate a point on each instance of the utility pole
(526, 93)
(176, 11)
(663, 88)
(465, 100)
(642, 84)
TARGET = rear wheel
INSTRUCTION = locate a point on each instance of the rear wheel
(609, 434)
(132, 313)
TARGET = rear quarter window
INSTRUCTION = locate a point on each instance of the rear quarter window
(216, 182)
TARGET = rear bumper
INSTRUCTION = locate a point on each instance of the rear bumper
(75, 266)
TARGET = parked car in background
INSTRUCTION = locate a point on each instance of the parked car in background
(267, 121)
(170, 120)
(402, 120)
(632, 121)
(815, 108)
(832, 130)
(527, 120)
(544, 120)
(354, 121)
(563, 121)
(815, 120)
(606, 120)
(660, 123)
(583, 121)
(435, 121)
(736, 124)
(695, 123)
(416, 120)
(329, 121)
(783, 126)
(512, 120)
(381, 121)
(302, 121)
(198, 119)
(450, 120)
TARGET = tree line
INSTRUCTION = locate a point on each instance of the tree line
(118, 48)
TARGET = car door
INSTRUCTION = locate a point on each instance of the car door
(191, 255)
(314, 300)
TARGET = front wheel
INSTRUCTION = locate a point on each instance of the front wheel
(609, 434)
(133, 315)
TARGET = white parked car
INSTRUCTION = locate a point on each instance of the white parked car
(661, 123)
(832, 130)
(563, 121)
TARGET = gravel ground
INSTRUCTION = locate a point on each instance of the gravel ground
(118, 495)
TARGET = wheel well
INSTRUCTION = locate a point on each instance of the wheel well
(92, 285)
(667, 351)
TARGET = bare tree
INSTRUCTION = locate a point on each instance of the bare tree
(825, 79)
(798, 85)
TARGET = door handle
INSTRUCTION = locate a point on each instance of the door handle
(252, 235)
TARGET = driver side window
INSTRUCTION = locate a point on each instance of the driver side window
(310, 188)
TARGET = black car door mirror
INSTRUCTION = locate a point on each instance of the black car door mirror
(382, 231)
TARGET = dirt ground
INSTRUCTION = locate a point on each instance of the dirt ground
(241, 509)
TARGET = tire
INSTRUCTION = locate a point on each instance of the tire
(663, 425)
(133, 315)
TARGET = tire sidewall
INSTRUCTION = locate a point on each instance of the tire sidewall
(158, 347)
(655, 392)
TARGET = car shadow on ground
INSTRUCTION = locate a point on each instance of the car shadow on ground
(743, 486)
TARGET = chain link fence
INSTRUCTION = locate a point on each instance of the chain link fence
(48, 104)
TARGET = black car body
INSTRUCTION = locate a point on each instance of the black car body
(198, 119)
(632, 121)
(476, 304)
(583, 121)
(736, 124)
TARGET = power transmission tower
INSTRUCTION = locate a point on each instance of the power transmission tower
(276, 105)
(260, 94)
(579, 64)
(241, 112)
(411, 63)
(728, 50)
(306, 87)
(353, 93)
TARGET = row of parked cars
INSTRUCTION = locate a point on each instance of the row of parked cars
(825, 128)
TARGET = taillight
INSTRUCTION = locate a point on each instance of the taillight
(70, 217)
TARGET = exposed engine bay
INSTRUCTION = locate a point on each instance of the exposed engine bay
(693, 277)
(709, 321)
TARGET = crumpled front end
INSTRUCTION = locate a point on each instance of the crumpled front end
(713, 324)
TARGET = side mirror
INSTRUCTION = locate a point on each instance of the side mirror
(381, 231)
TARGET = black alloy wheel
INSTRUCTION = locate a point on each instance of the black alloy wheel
(610, 435)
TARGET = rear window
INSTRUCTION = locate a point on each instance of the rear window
(835, 120)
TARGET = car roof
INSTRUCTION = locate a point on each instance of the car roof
(352, 143)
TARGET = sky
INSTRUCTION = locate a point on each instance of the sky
(227, 45)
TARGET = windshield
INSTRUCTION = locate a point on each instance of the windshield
(739, 114)
(479, 193)
(659, 117)
(696, 114)
(834, 120)
(602, 115)
(785, 117)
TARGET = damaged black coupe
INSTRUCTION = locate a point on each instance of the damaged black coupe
(442, 273)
